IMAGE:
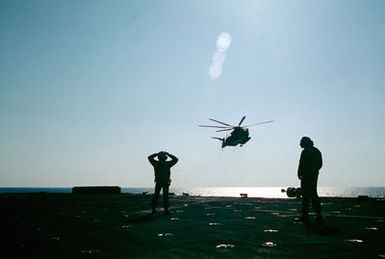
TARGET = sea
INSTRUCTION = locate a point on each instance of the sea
(260, 192)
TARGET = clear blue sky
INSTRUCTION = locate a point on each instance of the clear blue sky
(89, 89)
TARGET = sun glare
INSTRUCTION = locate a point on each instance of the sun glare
(219, 57)
(223, 41)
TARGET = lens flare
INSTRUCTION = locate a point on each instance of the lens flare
(223, 41)
(215, 71)
(219, 57)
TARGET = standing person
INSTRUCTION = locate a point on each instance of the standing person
(308, 169)
(162, 177)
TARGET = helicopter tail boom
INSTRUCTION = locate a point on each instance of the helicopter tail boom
(221, 139)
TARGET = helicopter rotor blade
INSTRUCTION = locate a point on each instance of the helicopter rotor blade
(221, 139)
(243, 118)
(224, 130)
(209, 126)
(221, 123)
(258, 123)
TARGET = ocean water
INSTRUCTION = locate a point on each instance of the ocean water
(262, 192)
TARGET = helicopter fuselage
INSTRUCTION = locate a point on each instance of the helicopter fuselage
(238, 136)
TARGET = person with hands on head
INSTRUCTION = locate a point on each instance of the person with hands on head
(162, 172)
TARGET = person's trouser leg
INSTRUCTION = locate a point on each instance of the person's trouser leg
(165, 196)
(305, 200)
(305, 207)
(315, 200)
(155, 197)
(317, 206)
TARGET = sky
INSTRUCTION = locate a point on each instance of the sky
(89, 89)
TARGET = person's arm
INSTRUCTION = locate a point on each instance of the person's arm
(173, 158)
(319, 160)
(151, 158)
(301, 165)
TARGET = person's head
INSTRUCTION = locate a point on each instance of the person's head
(306, 142)
(162, 156)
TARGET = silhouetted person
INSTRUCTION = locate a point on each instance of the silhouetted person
(308, 169)
(162, 177)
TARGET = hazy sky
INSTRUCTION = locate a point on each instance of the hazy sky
(89, 89)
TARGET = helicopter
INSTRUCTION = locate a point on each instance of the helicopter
(239, 134)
